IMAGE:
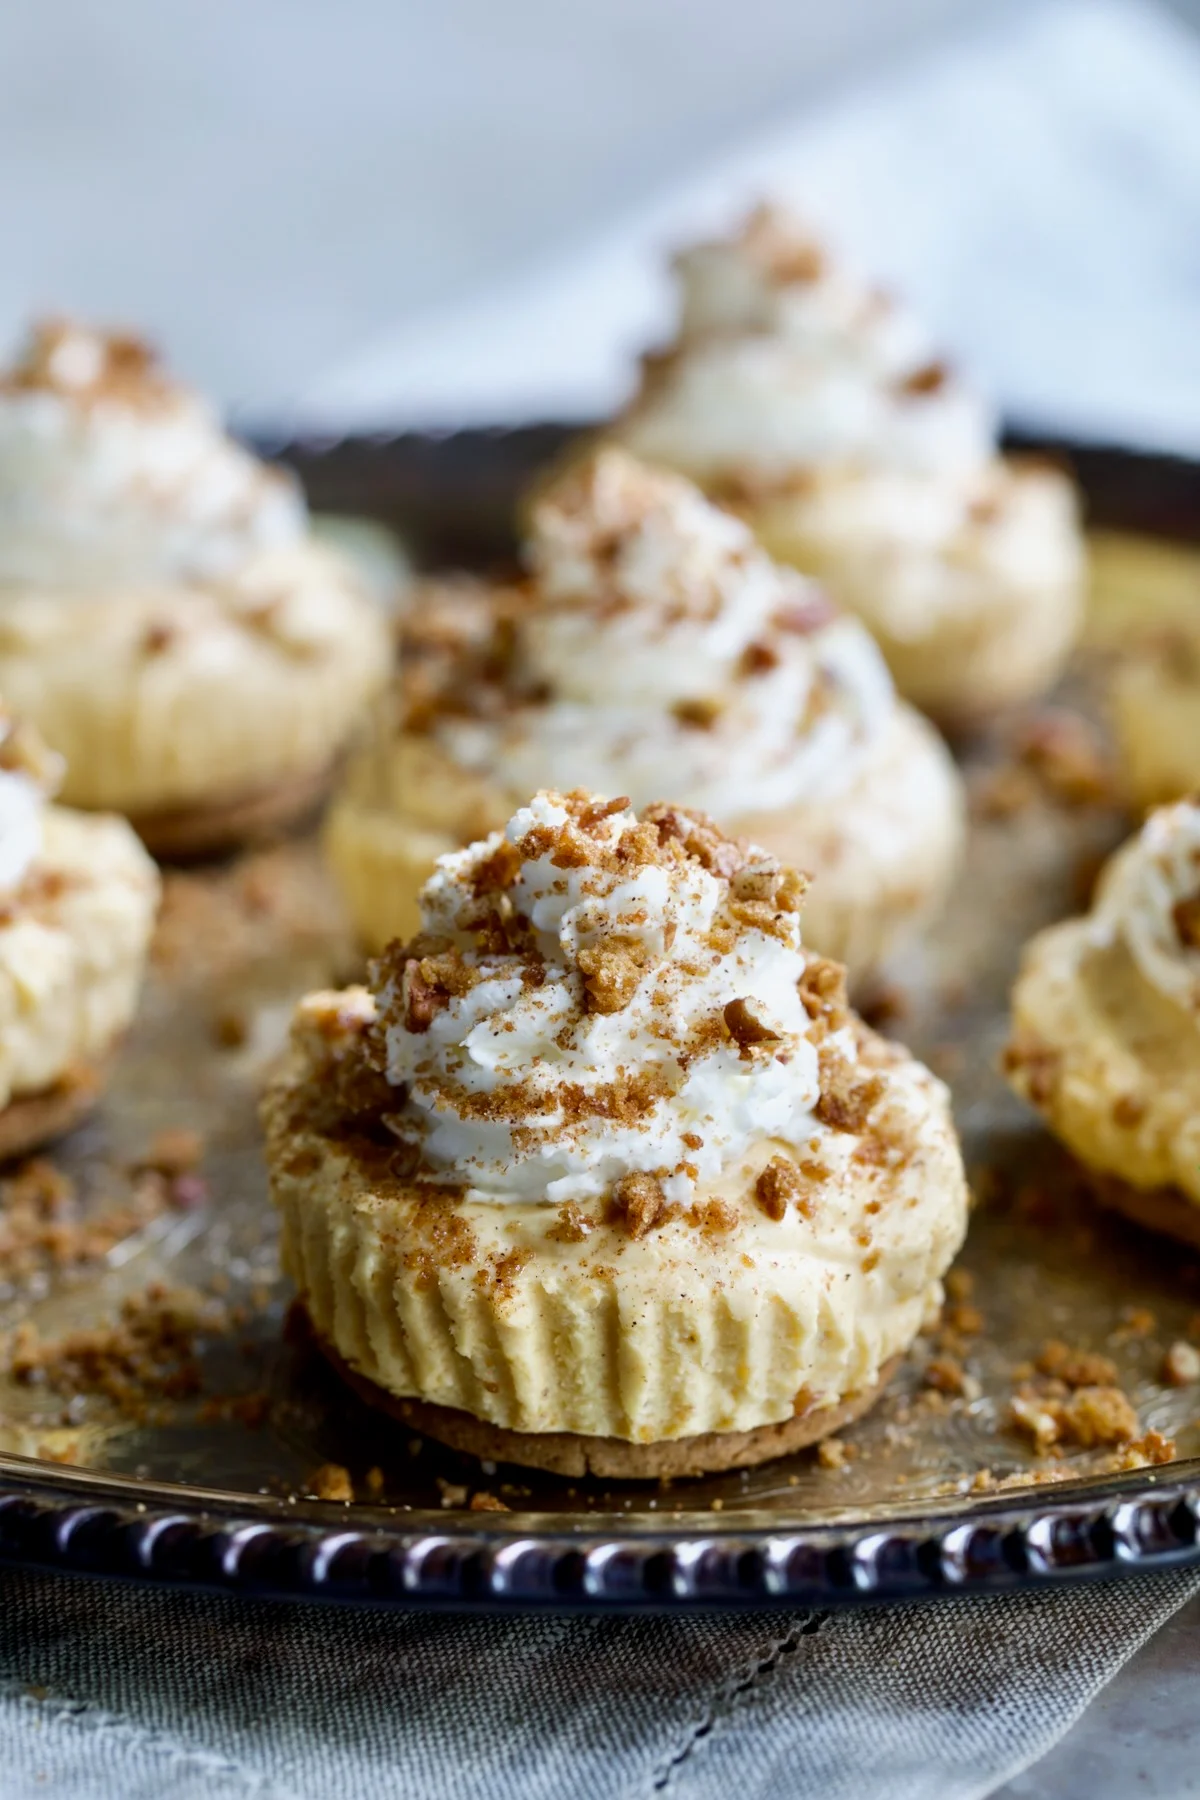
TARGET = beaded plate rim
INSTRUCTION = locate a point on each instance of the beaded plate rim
(86, 1523)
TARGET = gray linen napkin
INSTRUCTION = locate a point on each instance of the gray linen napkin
(108, 1690)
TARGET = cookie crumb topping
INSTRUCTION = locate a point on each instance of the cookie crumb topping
(612, 1006)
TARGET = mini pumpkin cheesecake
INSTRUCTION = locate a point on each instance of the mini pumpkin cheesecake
(654, 643)
(78, 897)
(601, 1173)
(819, 409)
(1106, 1027)
(167, 620)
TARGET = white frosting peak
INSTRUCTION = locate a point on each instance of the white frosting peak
(645, 591)
(564, 1019)
(1150, 899)
(785, 360)
(110, 473)
(662, 636)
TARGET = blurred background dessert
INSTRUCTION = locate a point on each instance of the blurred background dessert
(818, 407)
(655, 648)
(167, 620)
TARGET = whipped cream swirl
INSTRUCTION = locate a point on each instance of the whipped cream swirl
(29, 776)
(659, 634)
(110, 473)
(1150, 900)
(785, 362)
(593, 996)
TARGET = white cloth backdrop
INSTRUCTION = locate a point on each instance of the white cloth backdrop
(1034, 184)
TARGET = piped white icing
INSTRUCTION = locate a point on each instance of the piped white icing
(1150, 900)
(111, 474)
(785, 361)
(665, 638)
(522, 1084)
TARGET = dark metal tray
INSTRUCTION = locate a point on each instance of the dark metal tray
(207, 1484)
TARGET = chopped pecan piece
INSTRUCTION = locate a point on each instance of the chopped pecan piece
(423, 1000)
(719, 854)
(746, 1029)
(596, 811)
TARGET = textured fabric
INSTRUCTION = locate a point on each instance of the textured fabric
(151, 1696)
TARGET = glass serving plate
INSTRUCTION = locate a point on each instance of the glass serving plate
(192, 1444)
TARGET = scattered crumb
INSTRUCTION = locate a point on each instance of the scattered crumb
(946, 1375)
(1145, 1452)
(212, 923)
(484, 1502)
(1066, 753)
(44, 1225)
(1181, 1364)
(1077, 1368)
(1001, 793)
(831, 1453)
(330, 1482)
(149, 1355)
(1089, 1418)
(453, 1493)
(1134, 1322)
(176, 1151)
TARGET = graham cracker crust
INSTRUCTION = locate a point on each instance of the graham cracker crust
(1158, 1209)
(189, 833)
(33, 1119)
